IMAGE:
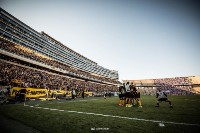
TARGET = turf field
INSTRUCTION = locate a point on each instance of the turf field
(104, 115)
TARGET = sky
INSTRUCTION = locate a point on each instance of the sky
(141, 39)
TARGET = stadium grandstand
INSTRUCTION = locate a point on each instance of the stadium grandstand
(174, 86)
(34, 59)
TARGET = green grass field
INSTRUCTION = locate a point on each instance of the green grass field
(186, 110)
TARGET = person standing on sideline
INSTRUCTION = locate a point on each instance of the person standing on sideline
(73, 94)
(83, 95)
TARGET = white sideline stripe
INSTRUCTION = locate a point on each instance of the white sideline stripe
(45, 108)
(98, 114)
(114, 116)
(106, 115)
(89, 113)
(81, 112)
(53, 109)
(71, 111)
(129, 118)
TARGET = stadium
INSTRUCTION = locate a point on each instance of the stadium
(39, 75)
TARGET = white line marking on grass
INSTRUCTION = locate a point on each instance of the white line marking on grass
(107, 115)
(89, 113)
(53, 109)
(81, 112)
(46, 108)
(98, 114)
(130, 118)
(71, 111)
(115, 116)
(121, 117)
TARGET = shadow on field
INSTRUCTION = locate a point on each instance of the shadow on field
(11, 126)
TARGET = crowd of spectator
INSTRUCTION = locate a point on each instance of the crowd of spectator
(147, 90)
(14, 74)
(173, 81)
(175, 86)
(33, 55)
(35, 78)
(170, 91)
(172, 86)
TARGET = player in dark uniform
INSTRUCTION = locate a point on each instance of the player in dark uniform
(133, 90)
(121, 95)
(136, 98)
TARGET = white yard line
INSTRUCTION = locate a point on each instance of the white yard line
(121, 117)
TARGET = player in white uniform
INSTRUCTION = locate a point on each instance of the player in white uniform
(128, 95)
(162, 96)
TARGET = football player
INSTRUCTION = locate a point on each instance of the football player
(162, 96)
(121, 95)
